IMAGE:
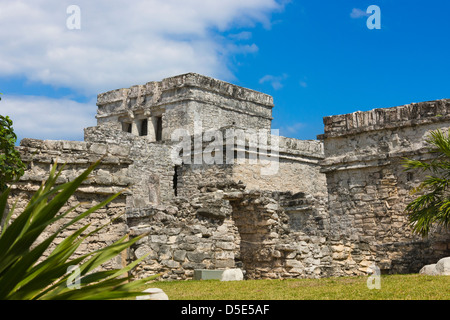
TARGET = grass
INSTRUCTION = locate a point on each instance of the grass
(393, 287)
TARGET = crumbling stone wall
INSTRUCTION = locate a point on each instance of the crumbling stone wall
(283, 235)
(267, 234)
(109, 178)
(151, 169)
(189, 234)
(277, 168)
(295, 159)
(368, 188)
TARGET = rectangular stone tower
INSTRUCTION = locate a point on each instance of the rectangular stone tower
(157, 108)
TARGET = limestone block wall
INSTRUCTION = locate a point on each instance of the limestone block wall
(297, 169)
(282, 235)
(368, 188)
(191, 178)
(266, 234)
(109, 178)
(151, 170)
(293, 165)
(191, 233)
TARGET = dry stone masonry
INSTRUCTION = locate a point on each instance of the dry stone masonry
(328, 207)
(368, 188)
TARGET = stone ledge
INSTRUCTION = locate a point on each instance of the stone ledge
(409, 115)
(186, 80)
(366, 161)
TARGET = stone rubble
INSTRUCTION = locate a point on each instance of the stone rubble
(441, 268)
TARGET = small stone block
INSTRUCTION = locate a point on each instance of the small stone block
(205, 274)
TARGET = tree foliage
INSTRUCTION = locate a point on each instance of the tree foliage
(11, 166)
(433, 205)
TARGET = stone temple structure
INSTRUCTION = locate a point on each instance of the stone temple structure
(201, 172)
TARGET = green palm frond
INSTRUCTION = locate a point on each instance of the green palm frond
(440, 143)
(433, 206)
(23, 273)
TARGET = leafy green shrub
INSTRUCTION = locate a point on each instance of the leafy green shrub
(23, 276)
(11, 166)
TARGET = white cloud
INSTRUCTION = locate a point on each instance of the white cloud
(303, 82)
(244, 35)
(275, 81)
(358, 13)
(293, 129)
(46, 118)
(122, 43)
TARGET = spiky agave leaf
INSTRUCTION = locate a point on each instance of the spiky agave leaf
(22, 276)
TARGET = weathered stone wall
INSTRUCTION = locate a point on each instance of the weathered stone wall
(283, 235)
(189, 234)
(191, 178)
(368, 188)
(274, 168)
(109, 178)
(151, 169)
(297, 169)
(267, 234)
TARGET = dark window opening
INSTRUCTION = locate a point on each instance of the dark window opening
(144, 128)
(175, 181)
(126, 126)
(409, 176)
(158, 129)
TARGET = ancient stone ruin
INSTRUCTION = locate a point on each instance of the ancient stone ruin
(201, 172)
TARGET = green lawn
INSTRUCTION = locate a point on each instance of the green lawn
(393, 287)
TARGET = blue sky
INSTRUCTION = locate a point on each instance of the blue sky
(316, 58)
